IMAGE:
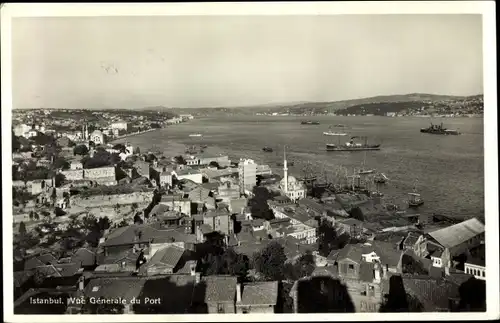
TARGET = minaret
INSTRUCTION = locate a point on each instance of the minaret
(285, 171)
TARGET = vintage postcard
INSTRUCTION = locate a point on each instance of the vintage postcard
(249, 161)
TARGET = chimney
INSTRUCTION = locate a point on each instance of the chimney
(238, 293)
(81, 283)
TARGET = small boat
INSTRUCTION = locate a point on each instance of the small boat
(364, 170)
(195, 135)
(380, 178)
(415, 200)
(281, 164)
(308, 122)
(330, 133)
(333, 133)
(203, 146)
(267, 149)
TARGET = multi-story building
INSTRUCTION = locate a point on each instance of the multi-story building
(122, 125)
(247, 172)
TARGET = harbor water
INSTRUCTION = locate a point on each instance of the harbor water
(448, 171)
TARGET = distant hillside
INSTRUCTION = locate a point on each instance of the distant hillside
(323, 107)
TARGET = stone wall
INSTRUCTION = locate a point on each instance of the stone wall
(99, 172)
(111, 200)
(73, 175)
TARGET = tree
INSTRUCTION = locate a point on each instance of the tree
(22, 228)
(229, 263)
(357, 214)
(138, 219)
(214, 164)
(269, 261)
(16, 144)
(60, 163)
(104, 223)
(39, 277)
(59, 179)
(120, 147)
(59, 212)
(303, 267)
(327, 237)
(45, 213)
(80, 150)
(134, 206)
(412, 266)
(180, 160)
(258, 203)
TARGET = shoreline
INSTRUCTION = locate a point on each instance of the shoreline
(133, 134)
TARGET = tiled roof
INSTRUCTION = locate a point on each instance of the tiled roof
(366, 273)
(432, 293)
(40, 260)
(260, 293)
(174, 291)
(187, 171)
(456, 234)
(84, 256)
(159, 209)
(411, 239)
(168, 256)
(386, 251)
(205, 229)
(59, 270)
(20, 277)
(219, 289)
(236, 205)
(313, 205)
(126, 235)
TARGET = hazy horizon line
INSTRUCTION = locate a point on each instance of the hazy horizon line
(263, 105)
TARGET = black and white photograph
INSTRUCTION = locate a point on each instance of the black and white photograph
(267, 159)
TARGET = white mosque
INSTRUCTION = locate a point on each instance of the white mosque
(289, 185)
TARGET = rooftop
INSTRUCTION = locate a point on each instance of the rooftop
(168, 256)
(126, 235)
(259, 293)
(219, 289)
(456, 234)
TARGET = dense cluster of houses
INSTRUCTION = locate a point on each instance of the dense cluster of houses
(151, 264)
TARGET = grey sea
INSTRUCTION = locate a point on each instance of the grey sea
(448, 171)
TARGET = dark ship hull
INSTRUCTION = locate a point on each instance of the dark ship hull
(332, 147)
(267, 149)
(310, 123)
(440, 132)
(415, 204)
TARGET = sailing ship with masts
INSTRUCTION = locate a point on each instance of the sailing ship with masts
(415, 199)
(364, 170)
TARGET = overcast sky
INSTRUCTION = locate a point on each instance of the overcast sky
(232, 61)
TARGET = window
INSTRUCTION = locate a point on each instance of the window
(484, 273)
(371, 291)
(220, 308)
